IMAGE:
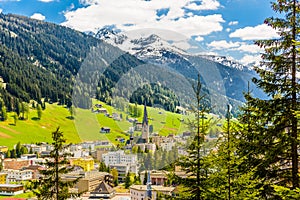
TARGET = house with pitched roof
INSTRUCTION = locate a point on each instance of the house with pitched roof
(103, 191)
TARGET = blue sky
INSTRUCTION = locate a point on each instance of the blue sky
(222, 27)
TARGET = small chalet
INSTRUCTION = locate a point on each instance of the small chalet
(105, 130)
(103, 191)
(100, 110)
(10, 189)
(98, 105)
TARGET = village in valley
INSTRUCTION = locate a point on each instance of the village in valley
(138, 170)
(149, 100)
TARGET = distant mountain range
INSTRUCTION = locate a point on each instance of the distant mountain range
(153, 45)
(225, 80)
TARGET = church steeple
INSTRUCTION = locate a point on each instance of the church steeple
(145, 118)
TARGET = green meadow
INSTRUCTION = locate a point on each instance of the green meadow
(84, 127)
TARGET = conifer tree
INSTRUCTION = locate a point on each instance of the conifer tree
(270, 136)
(18, 149)
(4, 113)
(114, 172)
(127, 181)
(225, 179)
(8, 155)
(72, 111)
(39, 111)
(51, 185)
(195, 164)
(15, 117)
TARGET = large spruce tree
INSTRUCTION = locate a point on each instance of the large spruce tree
(269, 138)
(225, 179)
(195, 164)
(51, 186)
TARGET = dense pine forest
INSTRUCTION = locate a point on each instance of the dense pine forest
(35, 64)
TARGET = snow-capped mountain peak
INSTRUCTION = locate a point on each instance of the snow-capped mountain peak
(111, 36)
(154, 47)
(149, 45)
(147, 41)
(225, 61)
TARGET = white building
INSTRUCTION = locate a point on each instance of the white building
(119, 157)
(90, 145)
(139, 192)
(167, 146)
(80, 153)
(18, 175)
(149, 146)
(38, 161)
(182, 151)
(38, 148)
(122, 162)
(74, 147)
(11, 189)
(123, 169)
(28, 156)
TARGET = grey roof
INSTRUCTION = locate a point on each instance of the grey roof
(103, 188)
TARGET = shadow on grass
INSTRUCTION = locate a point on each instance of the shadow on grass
(70, 117)
(11, 124)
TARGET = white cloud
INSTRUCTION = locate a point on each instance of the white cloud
(223, 44)
(1, 10)
(142, 14)
(251, 48)
(199, 38)
(204, 5)
(228, 30)
(209, 53)
(233, 23)
(46, 1)
(251, 59)
(38, 16)
(262, 31)
(234, 46)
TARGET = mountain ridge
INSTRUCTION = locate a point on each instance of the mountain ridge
(140, 46)
(230, 77)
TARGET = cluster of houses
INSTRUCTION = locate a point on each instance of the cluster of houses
(16, 171)
(86, 157)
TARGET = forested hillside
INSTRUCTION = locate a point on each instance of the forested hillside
(39, 59)
(42, 60)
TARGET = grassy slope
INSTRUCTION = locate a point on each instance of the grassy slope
(32, 130)
(21, 196)
(84, 127)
